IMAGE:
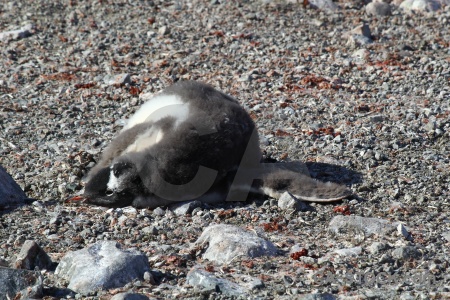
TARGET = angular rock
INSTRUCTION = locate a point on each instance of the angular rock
(406, 252)
(226, 242)
(129, 296)
(21, 33)
(184, 208)
(119, 79)
(404, 232)
(377, 247)
(10, 192)
(351, 224)
(20, 284)
(103, 265)
(378, 8)
(288, 202)
(202, 279)
(31, 256)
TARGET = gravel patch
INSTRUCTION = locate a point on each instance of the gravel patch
(361, 95)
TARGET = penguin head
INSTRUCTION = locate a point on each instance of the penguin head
(114, 186)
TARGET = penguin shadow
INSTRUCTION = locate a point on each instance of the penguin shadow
(333, 173)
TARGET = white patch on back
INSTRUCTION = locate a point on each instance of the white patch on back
(159, 107)
(113, 183)
(145, 140)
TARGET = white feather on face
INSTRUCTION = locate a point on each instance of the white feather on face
(113, 183)
(159, 107)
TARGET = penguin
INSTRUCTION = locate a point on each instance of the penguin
(193, 142)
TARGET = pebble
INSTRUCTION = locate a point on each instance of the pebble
(119, 79)
(355, 251)
(325, 5)
(21, 33)
(200, 278)
(288, 202)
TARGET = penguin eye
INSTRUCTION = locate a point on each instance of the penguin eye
(109, 192)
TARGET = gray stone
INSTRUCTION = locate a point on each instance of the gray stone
(32, 256)
(377, 247)
(406, 252)
(378, 8)
(103, 265)
(324, 296)
(404, 232)
(21, 33)
(355, 251)
(351, 224)
(446, 235)
(119, 79)
(226, 242)
(163, 30)
(159, 212)
(421, 5)
(202, 279)
(129, 296)
(10, 192)
(288, 202)
(325, 5)
(184, 208)
(20, 284)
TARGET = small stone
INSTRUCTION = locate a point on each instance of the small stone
(151, 230)
(377, 247)
(184, 208)
(129, 296)
(202, 279)
(159, 212)
(404, 232)
(119, 79)
(406, 252)
(351, 224)
(446, 235)
(324, 296)
(21, 33)
(324, 5)
(288, 202)
(226, 242)
(355, 251)
(32, 256)
(378, 8)
(376, 118)
(163, 30)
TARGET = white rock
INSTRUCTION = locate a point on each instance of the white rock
(422, 5)
(325, 5)
(226, 242)
(103, 265)
(355, 251)
(378, 8)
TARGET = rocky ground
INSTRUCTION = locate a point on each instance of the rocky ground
(359, 91)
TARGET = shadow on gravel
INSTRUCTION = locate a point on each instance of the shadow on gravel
(333, 173)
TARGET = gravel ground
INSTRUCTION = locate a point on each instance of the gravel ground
(367, 109)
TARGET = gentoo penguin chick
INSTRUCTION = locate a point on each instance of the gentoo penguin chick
(192, 142)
